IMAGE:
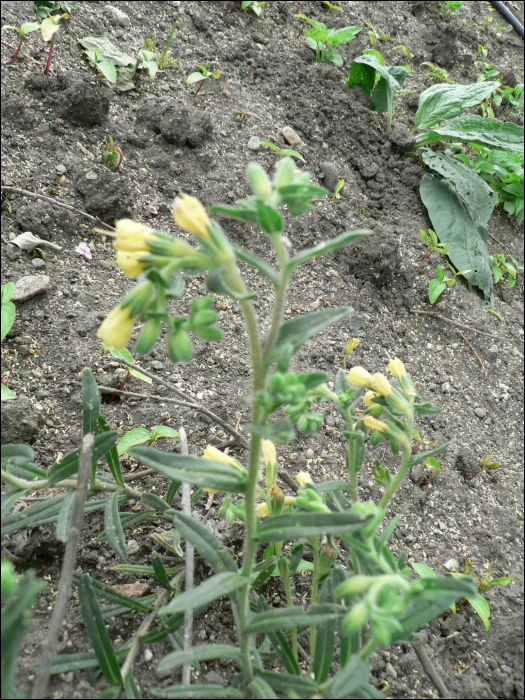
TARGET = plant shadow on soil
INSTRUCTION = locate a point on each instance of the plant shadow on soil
(52, 132)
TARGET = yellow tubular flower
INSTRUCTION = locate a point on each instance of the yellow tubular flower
(269, 453)
(359, 376)
(276, 493)
(217, 456)
(116, 329)
(397, 368)
(374, 424)
(303, 478)
(191, 216)
(132, 237)
(369, 397)
(129, 263)
(289, 500)
(381, 384)
(262, 510)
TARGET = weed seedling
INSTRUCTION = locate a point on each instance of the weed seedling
(280, 152)
(240, 117)
(432, 463)
(440, 75)
(501, 267)
(406, 53)
(324, 41)
(486, 465)
(374, 36)
(434, 246)
(24, 30)
(449, 8)
(112, 156)
(438, 286)
(8, 318)
(50, 24)
(204, 75)
(331, 7)
(337, 191)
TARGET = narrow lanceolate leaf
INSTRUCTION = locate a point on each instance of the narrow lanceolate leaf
(160, 571)
(131, 688)
(301, 329)
(442, 102)
(284, 618)
(418, 458)
(203, 652)
(475, 129)
(279, 642)
(198, 691)
(112, 455)
(325, 637)
(113, 526)
(213, 588)
(69, 465)
(292, 526)
(64, 517)
(97, 631)
(201, 538)
(293, 686)
(39, 514)
(259, 688)
(341, 241)
(349, 678)
(90, 403)
(258, 263)
(192, 470)
(104, 591)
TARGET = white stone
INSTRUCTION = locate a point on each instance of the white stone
(28, 287)
(121, 17)
(451, 565)
(253, 143)
(290, 136)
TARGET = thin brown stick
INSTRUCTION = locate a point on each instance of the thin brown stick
(14, 48)
(26, 193)
(475, 353)
(68, 567)
(456, 323)
(190, 553)
(431, 672)
(192, 404)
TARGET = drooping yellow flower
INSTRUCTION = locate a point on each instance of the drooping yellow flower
(269, 456)
(397, 368)
(276, 493)
(381, 385)
(132, 237)
(129, 262)
(359, 376)
(116, 329)
(369, 397)
(191, 216)
(262, 510)
(217, 456)
(374, 424)
(303, 478)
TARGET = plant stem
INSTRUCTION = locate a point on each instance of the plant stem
(273, 163)
(289, 599)
(314, 541)
(280, 299)
(17, 52)
(48, 64)
(407, 454)
(198, 90)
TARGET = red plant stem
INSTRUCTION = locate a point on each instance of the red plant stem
(17, 52)
(116, 149)
(253, 76)
(48, 64)
(198, 90)
(273, 162)
(120, 388)
(282, 6)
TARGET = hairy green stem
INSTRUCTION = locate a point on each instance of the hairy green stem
(405, 463)
(94, 486)
(314, 541)
(280, 298)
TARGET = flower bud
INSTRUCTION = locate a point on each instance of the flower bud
(262, 510)
(359, 376)
(259, 181)
(116, 329)
(381, 385)
(374, 424)
(132, 264)
(149, 335)
(356, 618)
(303, 478)
(269, 456)
(369, 397)
(137, 299)
(179, 346)
(191, 216)
(397, 368)
(285, 172)
(375, 410)
(132, 237)
(354, 586)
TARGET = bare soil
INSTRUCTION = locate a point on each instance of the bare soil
(52, 131)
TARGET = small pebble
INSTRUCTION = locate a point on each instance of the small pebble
(290, 136)
(121, 17)
(309, 453)
(156, 364)
(445, 388)
(253, 143)
(480, 412)
(133, 546)
(38, 263)
(451, 565)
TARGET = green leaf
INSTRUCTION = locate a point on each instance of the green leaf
(124, 354)
(97, 631)
(341, 241)
(112, 455)
(423, 571)
(284, 618)
(192, 470)
(423, 456)
(90, 403)
(280, 642)
(291, 526)
(363, 75)
(7, 394)
(269, 219)
(259, 688)
(442, 102)
(108, 70)
(474, 192)
(349, 678)
(163, 431)
(215, 587)
(203, 540)
(160, 571)
(113, 527)
(259, 264)
(138, 436)
(293, 686)
(269, 145)
(453, 224)
(280, 433)
(69, 465)
(243, 213)
(302, 328)
(325, 637)
(294, 154)
(478, 130)
(194, 78)
(481, 606)
(198, 691)
(203, 652)
(65, 514)
(435, 289)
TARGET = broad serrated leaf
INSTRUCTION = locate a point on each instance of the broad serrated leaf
(442, 102)
(292, 526)
(215, 587)
(192, 470)
(453, 224)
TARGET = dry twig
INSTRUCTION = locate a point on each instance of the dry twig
(14, 48)
(432, 673)
(475, 353)
(456, 323)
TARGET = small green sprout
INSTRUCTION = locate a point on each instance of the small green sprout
(280, 152)
(139, 436)
(196, 77)
(24, 30)
(374, 36)
(450, 7)
(432, 241)
(256, 7)
(406, 52)
(331, 7)
(501, 267)
(438, 286)
(107, 68)
(431, 463)
(439, 74)
(337, 191)
(112, 156)
(486, 464)
(324, 41)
